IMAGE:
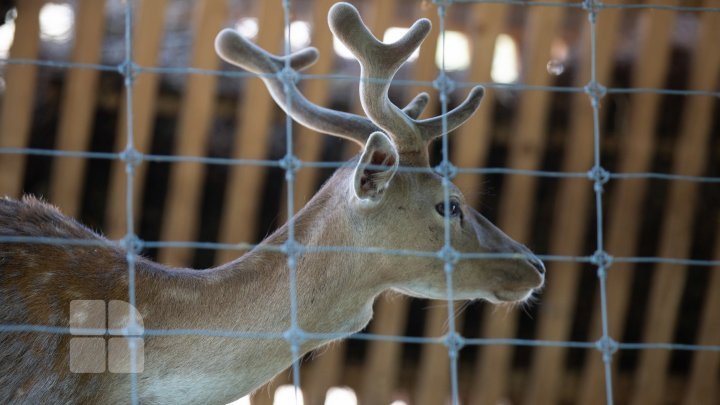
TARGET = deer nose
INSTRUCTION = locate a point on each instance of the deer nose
(537, 263)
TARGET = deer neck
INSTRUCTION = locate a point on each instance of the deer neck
(251, 294)
(334, 292)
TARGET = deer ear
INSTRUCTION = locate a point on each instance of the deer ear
(371, 182)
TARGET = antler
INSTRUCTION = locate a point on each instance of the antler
(379, 62)
(237, 50)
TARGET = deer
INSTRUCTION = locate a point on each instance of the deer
(369, 202)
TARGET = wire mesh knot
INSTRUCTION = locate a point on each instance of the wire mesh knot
(592, 7)
(448, 255)
(292, 248)
(608, 346)
(596, 91)
(290, 163)
(132, 329)
(446, 169)
(132, 157)
(288, 76)
(295, 335)
(444, 85)
(602, 260)
(454, 342)
(132, 244)
(600, 176)
(129, 70)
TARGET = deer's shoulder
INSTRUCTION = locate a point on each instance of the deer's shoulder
(21, 260)
(31, 216)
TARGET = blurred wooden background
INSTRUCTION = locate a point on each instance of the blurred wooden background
(176, 113)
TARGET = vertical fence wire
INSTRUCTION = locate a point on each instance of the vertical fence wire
(132, 158)
(594, 90)
(295, 335)
(448, 253)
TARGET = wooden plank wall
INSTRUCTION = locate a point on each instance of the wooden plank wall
(526, 148)
(626, 202)
(185, 188)
(676, 235)
(575, 201)
(378, 371)
(251, 142)
(149, 31)
(77, 108)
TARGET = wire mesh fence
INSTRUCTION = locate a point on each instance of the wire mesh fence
(597, 179)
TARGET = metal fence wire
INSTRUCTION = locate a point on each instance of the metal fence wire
(597, 175)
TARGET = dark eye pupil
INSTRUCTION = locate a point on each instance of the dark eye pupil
(454, 209)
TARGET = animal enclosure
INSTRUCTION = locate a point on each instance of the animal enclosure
(597, 145)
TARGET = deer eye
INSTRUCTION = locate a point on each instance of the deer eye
(453, 206)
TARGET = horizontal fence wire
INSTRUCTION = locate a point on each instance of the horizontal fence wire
(596, 5)
(304, 335)
(523, 87)
(299, 165)
(597, 177)
(138, 243)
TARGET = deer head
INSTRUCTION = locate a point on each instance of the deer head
(380, 205)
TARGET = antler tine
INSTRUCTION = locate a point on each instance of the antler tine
(379, 62)
(346, 24)
(432, 128)
(417, 105)
(237, 50)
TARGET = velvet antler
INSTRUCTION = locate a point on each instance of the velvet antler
(239, 51)
(379, 62)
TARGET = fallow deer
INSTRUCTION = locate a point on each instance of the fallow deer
(368, 203)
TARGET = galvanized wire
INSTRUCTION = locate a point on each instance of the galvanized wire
(131, 157)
